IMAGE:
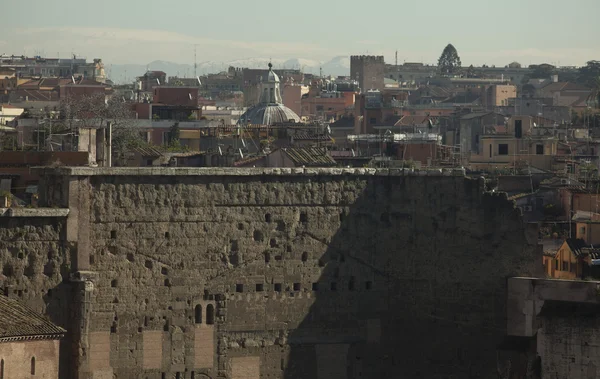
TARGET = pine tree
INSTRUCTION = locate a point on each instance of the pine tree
(449, 61)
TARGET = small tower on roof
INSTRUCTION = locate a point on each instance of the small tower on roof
(270, 92)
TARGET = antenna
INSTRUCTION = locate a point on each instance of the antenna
(195, 64)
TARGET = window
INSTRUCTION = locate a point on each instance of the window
(239, 287)
(565, 266)
(2, 369)
(277, 287)
(556, 264)
(32, 365)
(490, 150)
(503, 149)
(518, 128)
(372, 120)
(582, 230)
(259, 287)
(539, 149)
(198, 314)
(210, 314)
(149, 162)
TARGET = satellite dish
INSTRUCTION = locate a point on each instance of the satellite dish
(190, 96)
(198, 79)
(241, 154)
(158, 81)
(220, 151)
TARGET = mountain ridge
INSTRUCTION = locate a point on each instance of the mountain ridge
(126, 73)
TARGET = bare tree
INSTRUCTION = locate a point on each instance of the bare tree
(94, 111)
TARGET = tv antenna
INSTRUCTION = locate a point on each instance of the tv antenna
(195, 62)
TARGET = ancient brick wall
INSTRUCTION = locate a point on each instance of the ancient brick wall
(35, 264)
(568, 341)
(290, 274)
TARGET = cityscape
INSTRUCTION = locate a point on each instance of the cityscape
(364, 215)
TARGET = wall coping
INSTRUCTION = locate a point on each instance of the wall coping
(34, 212)
(233, 171)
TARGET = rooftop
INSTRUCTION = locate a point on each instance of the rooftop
(230, 171)
(20, 322)
(309, 156)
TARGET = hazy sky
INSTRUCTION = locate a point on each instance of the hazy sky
(133, 31)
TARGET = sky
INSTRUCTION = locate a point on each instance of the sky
(131, 31)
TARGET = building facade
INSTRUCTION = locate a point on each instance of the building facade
(368, 71)
(29, 343)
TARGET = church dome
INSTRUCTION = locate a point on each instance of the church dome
(270, 109)
(269, 114)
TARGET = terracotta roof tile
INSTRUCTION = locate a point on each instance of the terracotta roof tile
(17, 320)
(310, 156)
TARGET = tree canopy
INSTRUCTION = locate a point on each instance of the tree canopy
(541, 71)
(449, 61)
(589, 75)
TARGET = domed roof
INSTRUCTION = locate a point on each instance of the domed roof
(270, 109)
(268, 114)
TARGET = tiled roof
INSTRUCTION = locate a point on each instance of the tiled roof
(309, 156)
(576, 245)
(248, 160)
(306, 136)
(412, 120)
(148, 151)
(475, 115)
(562, 86)
(521, 195)
(17, 320)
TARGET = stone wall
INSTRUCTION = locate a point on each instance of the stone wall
(35, 264)
(196, 273)
(560, 319)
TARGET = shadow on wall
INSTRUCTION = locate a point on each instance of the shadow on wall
(411, 283)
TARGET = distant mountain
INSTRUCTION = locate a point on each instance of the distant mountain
(126, 73)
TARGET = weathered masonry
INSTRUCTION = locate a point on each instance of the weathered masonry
(267, 273)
